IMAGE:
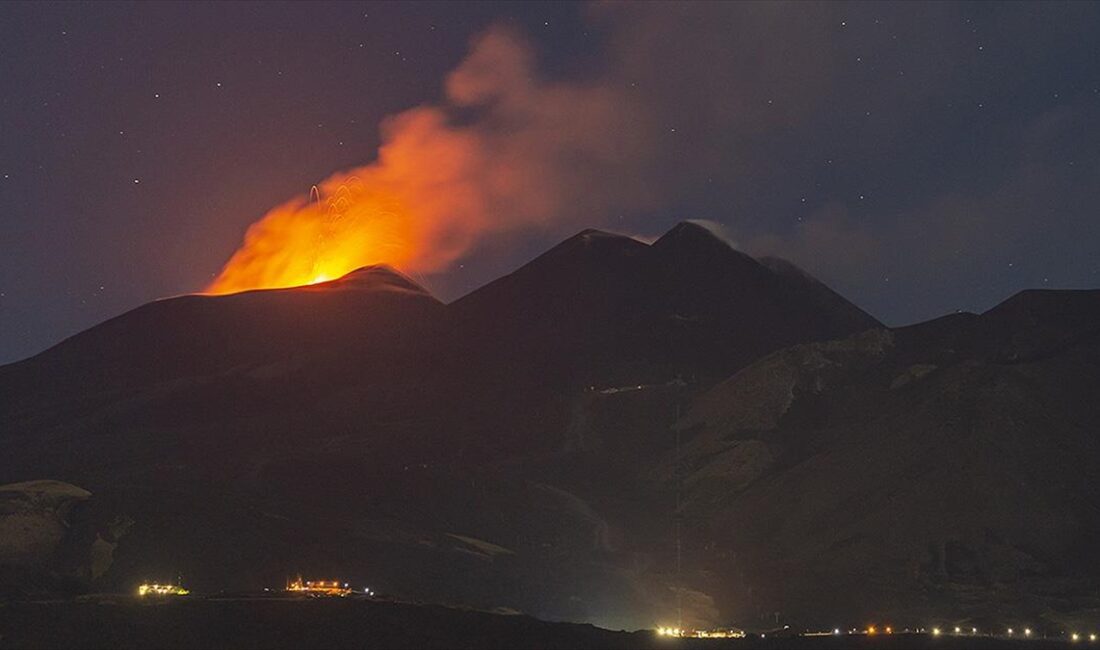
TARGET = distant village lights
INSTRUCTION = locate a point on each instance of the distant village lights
(319, 587)
(727, 633)
(872, 630)
(155, 589)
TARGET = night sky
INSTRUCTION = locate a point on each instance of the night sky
(920, 158)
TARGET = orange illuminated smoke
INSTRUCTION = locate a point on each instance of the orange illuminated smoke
(341, 227)
(537, 153)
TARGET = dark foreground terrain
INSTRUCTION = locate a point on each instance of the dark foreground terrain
(125, 622)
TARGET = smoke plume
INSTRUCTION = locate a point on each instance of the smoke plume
(504, 151)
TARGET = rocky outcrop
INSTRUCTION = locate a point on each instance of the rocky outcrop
(52, 537)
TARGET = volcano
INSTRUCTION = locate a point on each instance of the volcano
(523, 446)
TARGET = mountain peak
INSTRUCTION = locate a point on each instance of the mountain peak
(588, 243)
(694, 233)
(594, 237)
(376, 277)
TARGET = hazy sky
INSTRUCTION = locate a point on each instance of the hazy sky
(920, 158)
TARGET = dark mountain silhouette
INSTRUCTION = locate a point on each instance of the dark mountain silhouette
(518, 447)
(937, 469)
(372, 311)
(600, 305)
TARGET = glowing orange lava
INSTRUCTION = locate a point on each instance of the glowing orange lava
(340, 228)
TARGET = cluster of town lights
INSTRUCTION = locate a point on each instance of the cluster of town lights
(298, 586)
(319, 588)
(700, 634)
(154, 589)
(870, 630)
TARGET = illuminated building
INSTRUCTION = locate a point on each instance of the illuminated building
(154, 589)
(318, 587)
(721, 633)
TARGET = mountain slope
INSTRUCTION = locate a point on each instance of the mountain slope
(367, 312)
(932, 471)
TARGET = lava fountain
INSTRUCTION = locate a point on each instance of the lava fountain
(341, 226)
